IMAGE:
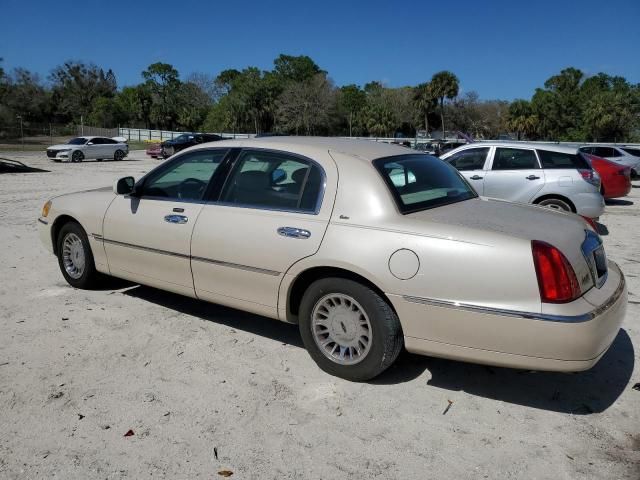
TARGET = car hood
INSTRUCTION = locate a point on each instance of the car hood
(63, 145)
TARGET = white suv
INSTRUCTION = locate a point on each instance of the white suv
(554, 176)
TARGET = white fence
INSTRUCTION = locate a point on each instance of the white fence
(143, 134)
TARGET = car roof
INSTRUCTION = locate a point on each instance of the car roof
(365, 149)
(554, 147)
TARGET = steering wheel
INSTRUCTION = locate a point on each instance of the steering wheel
(191, 189)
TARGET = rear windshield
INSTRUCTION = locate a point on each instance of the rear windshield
(418, 182)
(551, 159)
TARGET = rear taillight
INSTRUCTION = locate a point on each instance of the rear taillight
(557, 281)
(590, 176)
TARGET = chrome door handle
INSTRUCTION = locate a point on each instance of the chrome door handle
(294, 232)
(176, 219)
(532, 177)
(476, 177)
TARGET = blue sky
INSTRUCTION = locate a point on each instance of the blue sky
(501, 49)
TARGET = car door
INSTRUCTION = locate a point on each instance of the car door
(147, 236)
(272, 211)
(93, 148)
(515, 175)
(471, 162)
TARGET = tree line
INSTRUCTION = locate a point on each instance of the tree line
(297, 97)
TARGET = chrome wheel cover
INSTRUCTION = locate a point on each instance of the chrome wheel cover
(341, 329)
(73, 256)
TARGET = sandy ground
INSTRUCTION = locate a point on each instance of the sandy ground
(206, 389)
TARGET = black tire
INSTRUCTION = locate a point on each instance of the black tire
(118, 155)
(386, 332)
(77, 156)
(89, 277)
(555, 203)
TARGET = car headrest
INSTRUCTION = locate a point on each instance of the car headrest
(298, 175)
(253, 180)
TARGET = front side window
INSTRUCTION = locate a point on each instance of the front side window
(470, 159)
(419, 182)
(514, 159)
(185, 179)
(554, 160)
(77, 141)
(96, 141)
(274, 180)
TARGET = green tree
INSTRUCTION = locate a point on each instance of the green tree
(193, 105)
(76, 85)
(444, 85)
(163, 83)
(296, 69)
(425, 101)
(522, 119)
(351, 100)
(304, 107)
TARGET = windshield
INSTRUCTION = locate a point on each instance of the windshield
(77, 141)
(418, 182)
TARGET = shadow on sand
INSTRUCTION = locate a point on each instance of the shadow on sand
(580, 393)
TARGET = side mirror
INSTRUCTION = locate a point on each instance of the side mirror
(278, 175)
(124, 186)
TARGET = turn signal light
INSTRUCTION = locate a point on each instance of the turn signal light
(557, 281)
(46, 208)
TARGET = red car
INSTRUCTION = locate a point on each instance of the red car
(154, 150)
(616, 179)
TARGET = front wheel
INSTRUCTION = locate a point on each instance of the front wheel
(556, 204)
(77, 156)
(75, 257)
(349, 329)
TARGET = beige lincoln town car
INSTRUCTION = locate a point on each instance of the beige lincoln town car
(368, 247)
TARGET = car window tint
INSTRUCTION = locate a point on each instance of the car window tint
(419, 181)
(275, 181)
(604, 152)
(186, 178)
(96, 141)
(552, 160)
(109, 141)
(470, 159)
(632, 151)
(514, 159)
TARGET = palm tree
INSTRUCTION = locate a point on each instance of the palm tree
(425, 101)
(444, 85)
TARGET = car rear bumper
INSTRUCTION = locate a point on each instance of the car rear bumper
(588, 204)
(549, 340)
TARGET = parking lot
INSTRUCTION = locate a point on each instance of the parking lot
(130, 381)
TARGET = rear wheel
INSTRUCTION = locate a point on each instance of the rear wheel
(77, 156)
(119, 155)
(556, 204)
(75, 257)
(349, 329)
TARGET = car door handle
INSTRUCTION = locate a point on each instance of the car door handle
(476, 177)
(176, 219)
(293, 232)
(532, 177)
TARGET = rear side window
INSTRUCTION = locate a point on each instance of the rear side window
(552, 160)
(514, 159)
(470, 159)
(274, 180)
(632, 151)
(419, 182)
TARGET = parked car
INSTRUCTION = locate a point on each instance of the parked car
(615, 178)
(84, 148)
(154, 150)
(186, 140)
(399, 251)
(627, 156)
(553, 176)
